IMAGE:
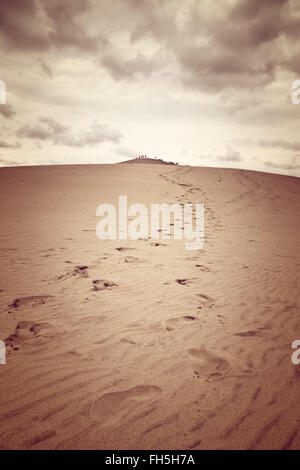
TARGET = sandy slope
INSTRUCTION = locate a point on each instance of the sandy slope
(148, 362)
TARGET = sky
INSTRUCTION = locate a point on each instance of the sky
(197, 82)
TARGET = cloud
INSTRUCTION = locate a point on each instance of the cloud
(237, 49)
(7, 162)
(234, 47)
(283, 144)
(46, 68)
(47, 129)
(293, 165)
(7, 110)
(6, 145)
(67, 29)
(127, 152)
(21, 24)
(98, 133)
(41, 25)
(239, 46)
(124, 69)
(230, 156)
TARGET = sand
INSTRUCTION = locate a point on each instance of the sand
(106, 349)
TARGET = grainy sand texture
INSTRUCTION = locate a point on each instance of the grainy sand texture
(142, 344)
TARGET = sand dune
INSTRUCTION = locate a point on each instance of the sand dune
(142, 344)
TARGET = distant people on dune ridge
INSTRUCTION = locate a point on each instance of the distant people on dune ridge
(145, 157)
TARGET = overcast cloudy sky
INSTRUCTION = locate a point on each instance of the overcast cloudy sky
(199, 82)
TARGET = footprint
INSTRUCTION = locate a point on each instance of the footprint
(202, 268)
(182, 282)
(247, 334)
(126, 340)
(39, 438)
(205, 301)
(173, 322)
(78, 271)
(131, 259)
(101, 284)
(26, 330)
(31, 301)
(207, 365)
(114, 407)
